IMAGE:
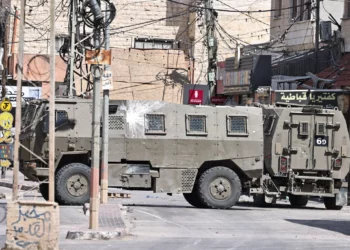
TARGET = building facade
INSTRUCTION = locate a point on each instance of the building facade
(293, 23)
(157, 46)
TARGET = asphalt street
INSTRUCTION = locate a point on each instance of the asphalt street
(161, 222)
(164, 222)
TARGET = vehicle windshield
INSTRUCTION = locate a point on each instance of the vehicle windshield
(30, 115)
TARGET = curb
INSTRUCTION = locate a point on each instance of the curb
(96, 235)
(20, 187)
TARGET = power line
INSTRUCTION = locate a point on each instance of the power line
(237, 11)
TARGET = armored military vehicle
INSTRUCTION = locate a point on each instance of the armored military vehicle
(210, 154)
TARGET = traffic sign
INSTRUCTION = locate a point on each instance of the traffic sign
(5, 163)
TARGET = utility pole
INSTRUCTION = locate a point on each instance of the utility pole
(52, 123)
(72, 48)
(96, 125)
(210, 16)
(5, 56)
(105, 125)
(18, 102)
(317, 38)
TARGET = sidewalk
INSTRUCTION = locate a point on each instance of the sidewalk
(74, 220)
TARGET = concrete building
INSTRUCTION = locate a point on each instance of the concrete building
(150, 59)
(293, 23)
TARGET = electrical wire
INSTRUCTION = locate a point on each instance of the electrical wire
(235, 11)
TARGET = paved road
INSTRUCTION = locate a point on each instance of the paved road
(163, 222)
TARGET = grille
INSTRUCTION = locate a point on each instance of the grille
(238, 124)
(155, 123)
(197, 123)
(188, 178)
(116, 122)
(304, 128)
(321, 128)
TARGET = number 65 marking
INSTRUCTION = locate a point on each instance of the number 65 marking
(320, 141)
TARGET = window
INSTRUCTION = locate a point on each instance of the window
(116, 122)
(113, 109)
(278, 8)
(294, 9)
(155, 124)
(196, 124)
(347, 9)
(303, 129)
(145, 43)
(61, 117)
(321, 128)
(301, 10)
(237, 125)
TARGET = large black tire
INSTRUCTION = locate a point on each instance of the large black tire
(298, 200)
(44, 190)
(193, 198)
(221, 182)
(66, 191)
(330, 202)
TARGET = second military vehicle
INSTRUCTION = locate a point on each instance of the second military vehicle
(210, 154)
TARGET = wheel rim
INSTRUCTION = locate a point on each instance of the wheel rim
(77, 185)
(220, 188)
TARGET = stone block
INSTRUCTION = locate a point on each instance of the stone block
(32, 225)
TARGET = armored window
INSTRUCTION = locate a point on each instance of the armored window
(113, 109)
(321, 128)
(303, 129)
(61, 117)
(237, 125)
(155, 124)
(196, 125)
(116, 122)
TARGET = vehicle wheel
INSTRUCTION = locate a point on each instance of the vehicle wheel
(193, 198)
(330, 202)
(73, 184)
(44, 190)
(219, 187)
(298, 200)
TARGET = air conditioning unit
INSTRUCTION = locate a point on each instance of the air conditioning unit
(325, 31)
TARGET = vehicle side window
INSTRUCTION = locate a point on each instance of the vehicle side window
(237, 125)
(196, 124)
(155, 124)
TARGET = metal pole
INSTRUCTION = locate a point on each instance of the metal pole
(52, 104)
(105, 126)
(5, 56)
(72, 48)
(18, 103)
(211, 45)
(96, 125)
(317, 38)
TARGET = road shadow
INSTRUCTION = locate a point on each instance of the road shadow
(278, 206)
(179, 206)
(340, 226)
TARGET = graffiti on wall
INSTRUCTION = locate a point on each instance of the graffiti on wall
(31, 225)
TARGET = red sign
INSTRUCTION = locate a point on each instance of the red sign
(218, 100)
(195, 97)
